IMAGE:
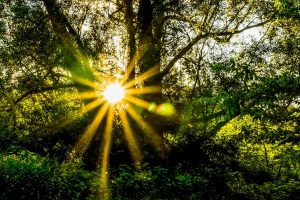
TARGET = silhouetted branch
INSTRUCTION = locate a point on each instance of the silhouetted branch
(39, 90)
(185, 49)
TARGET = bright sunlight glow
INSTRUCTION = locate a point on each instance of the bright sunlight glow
(114, 93)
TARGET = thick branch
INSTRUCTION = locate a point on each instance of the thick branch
(185, 49)
(75, 35)
(131, 31)
(62, 26)
(181, 53)
(75, 56)
(56, 18)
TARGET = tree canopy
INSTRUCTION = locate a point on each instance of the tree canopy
(149, 99)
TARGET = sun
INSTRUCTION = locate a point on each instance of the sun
(114, 93)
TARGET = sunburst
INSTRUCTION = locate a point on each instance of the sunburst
(114, 93)
(119, 99)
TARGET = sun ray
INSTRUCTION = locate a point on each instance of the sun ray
(139, 102)
(104, 156)
(83, 95)
(144, 90)
(67, 120)
(150, 133)
(131, 64)
(94, 104)
(151, 72)
(83, 81)
(130, 67)
(132, 144)
(164, 109)
(152, 107)
(88, 95)
(86, 138)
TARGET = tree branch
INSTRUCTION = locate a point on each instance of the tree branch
(185, 49)
(179, 18)
(39, 90)
(181, 53)
(62, 26)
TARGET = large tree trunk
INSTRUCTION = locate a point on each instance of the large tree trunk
(131, 32)
(149, 47)
(150, 16)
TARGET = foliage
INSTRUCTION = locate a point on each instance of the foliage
(25, 175)
(229, 97)
(162, 183)
(288, 8)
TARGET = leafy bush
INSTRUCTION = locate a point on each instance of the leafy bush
(164, 183)
(7, 136)
(25, 175)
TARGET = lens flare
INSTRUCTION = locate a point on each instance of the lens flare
(114, 93)
(127, 96)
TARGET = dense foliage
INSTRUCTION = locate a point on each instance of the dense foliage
(226, 109)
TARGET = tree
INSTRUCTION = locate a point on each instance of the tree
(230, 68)
(68, 43)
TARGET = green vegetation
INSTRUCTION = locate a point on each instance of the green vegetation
(210, 110)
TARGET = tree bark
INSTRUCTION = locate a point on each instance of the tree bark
(149, 47)
(131, 32)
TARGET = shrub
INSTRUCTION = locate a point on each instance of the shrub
(25, 175)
